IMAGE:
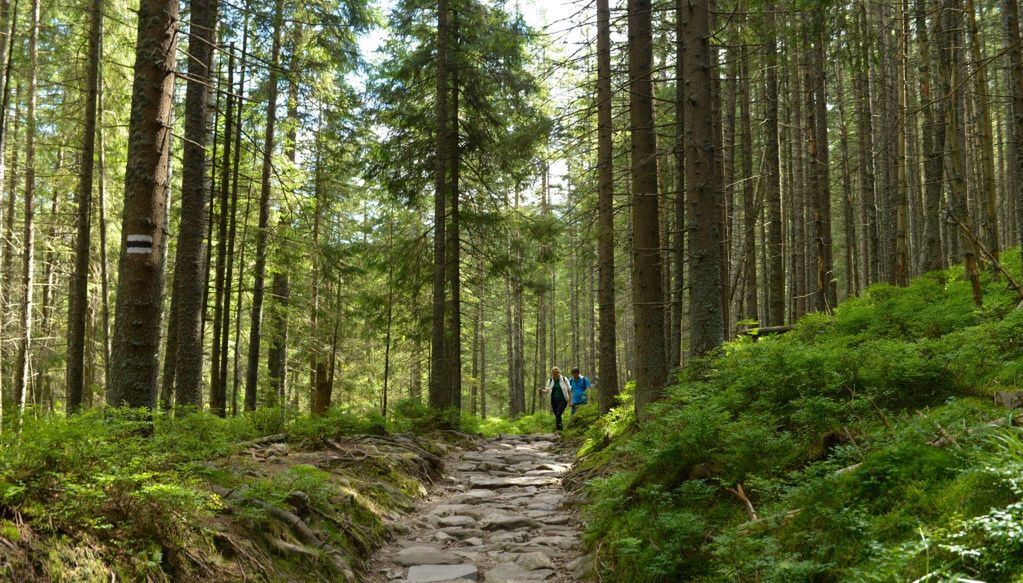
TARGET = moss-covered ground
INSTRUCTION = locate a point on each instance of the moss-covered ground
(864, 445)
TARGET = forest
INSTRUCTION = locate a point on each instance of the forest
(283, 286)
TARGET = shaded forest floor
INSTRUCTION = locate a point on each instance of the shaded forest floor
(205, 499)
(881, 443)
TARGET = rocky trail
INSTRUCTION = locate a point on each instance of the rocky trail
(498, 516)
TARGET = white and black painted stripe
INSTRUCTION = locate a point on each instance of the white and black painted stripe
(139, 245)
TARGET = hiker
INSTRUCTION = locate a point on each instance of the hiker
(559, 389)
(580, 385)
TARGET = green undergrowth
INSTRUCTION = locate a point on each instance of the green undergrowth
(113, 494)
(867, 445)
(413, 416)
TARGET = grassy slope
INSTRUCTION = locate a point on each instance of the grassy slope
(87, 498)
(861, 441)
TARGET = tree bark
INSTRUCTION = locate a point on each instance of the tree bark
(1013, 42)
(750, 303)
(79, 296)
(277, 361)
(314, 259)
(988, 191)
(957, 203)
(258, 280)
(453, 256)
(772, 182)
(439, 391)
(865, 128)
(827, 289)
(934, 142)
(218, 386)
(190, 261)
(140, 285)
(231, 237)
(647, 294)
(21, 372)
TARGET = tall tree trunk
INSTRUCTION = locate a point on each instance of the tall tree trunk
(542, 308)
(729, 92)
(453, 256)
(21, 372)
(647, 295)
(439, 391)
(277, 359)
(389, 323)
(702, 189)
(800, 175)
(415, 391)
(79, 297)
(231, 236)
(190, 262)
(772, 183)
(218, 393)
(474, 395)
(235, 381)
(934, 142)
(314, 259)
(9, 20)
(140, 285)
(513, 402)
(43, 354)
(987, 189)
(752, 309)
(483, 365)
(827, 289)
(865, 129)
(852, 275)
(101, 192)
(1013, 42)
(170, 355)
(957, 203)
(8, 275)
(258, 283)
(902, 236)
(679, 204)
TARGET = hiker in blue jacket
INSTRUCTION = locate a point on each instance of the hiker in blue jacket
(559, 390)
(580, 387)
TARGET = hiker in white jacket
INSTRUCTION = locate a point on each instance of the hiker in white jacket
(558, 388)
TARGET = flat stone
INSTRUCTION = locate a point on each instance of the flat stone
(513, 572)
(459, 532)
(463, 521)
(438, 573)
(425, 555)
(451, 509)
(484, 482)
(506, 522)
(534, 561)
(509, 537)
(555, 541)
(474, 496)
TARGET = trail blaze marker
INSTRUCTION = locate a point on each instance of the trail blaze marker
(139, 244)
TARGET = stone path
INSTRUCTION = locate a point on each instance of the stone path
(497, 519)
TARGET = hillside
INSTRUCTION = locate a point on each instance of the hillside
(867, 445)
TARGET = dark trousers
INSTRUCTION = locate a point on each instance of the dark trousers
(558, 406)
